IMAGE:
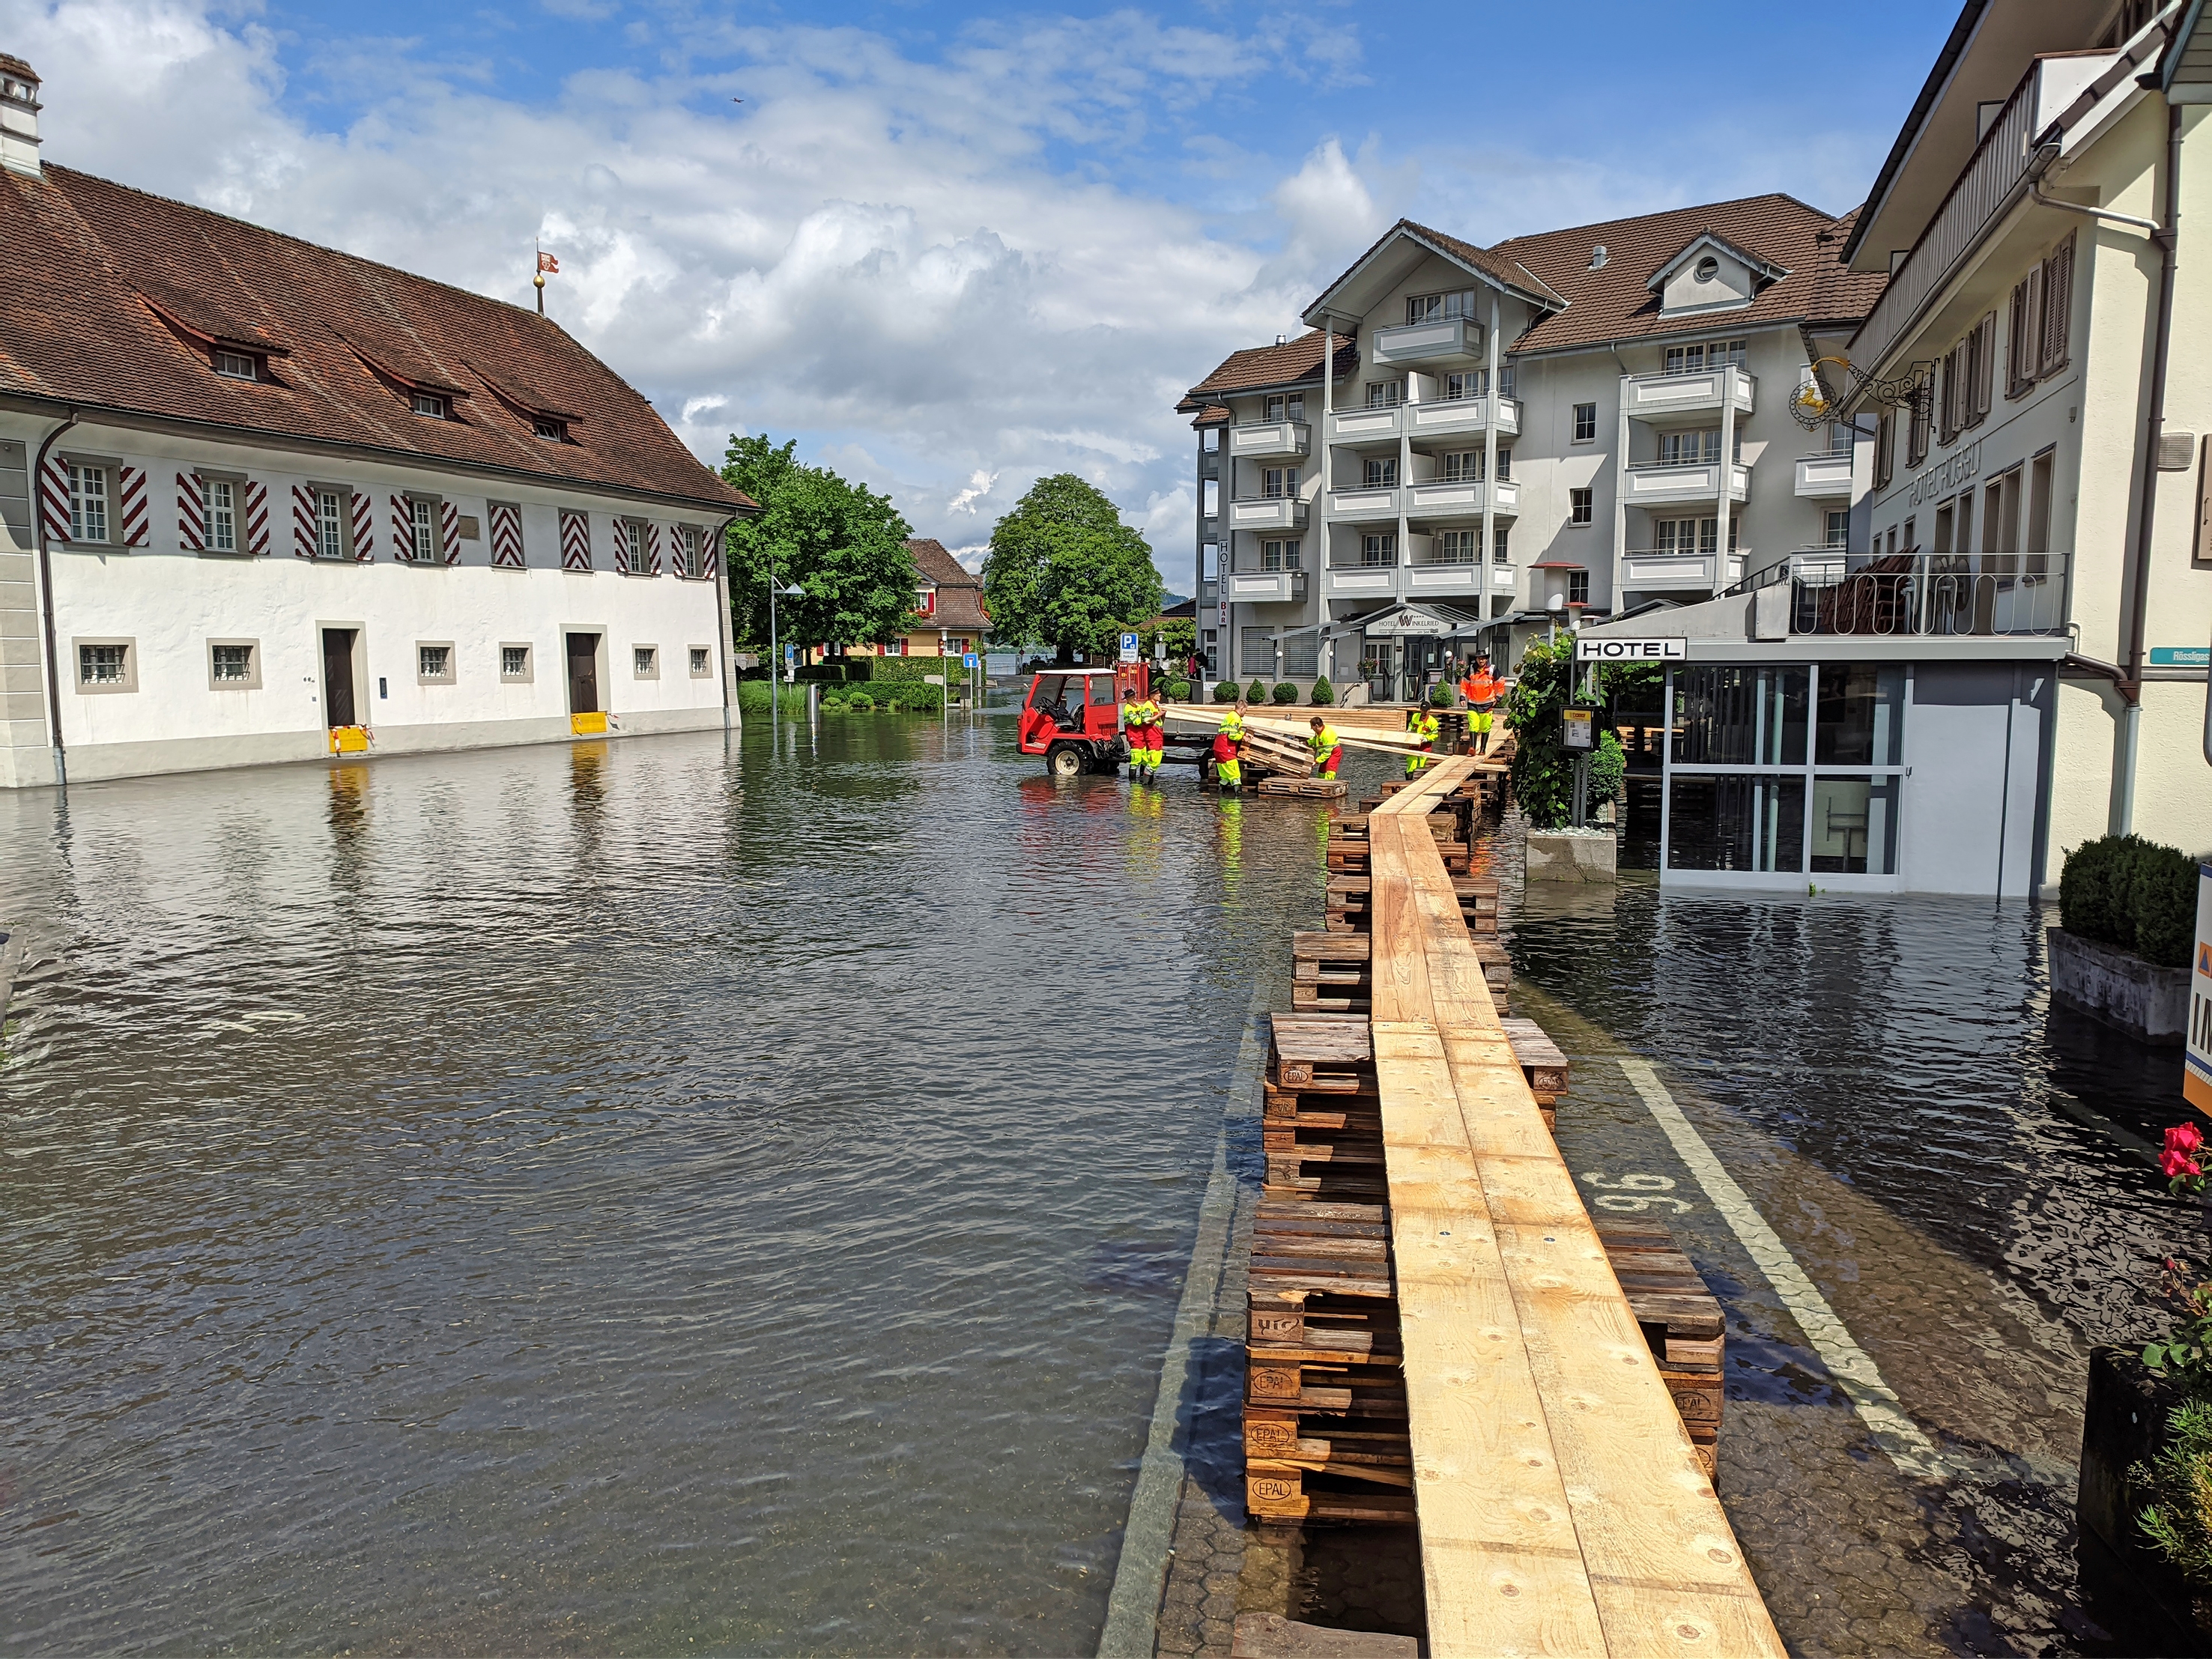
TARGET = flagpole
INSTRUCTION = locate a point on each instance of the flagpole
(537, 273)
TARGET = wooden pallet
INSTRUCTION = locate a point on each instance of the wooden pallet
(1680, 1319)
(1305, 789)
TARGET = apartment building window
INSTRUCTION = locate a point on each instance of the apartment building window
(1458, 387)
(1280, 555)
(433, 662)
(2039, 507)
(1434, 307)
(1505, 462)
(1382, 474)
(1884, 449)
(1277, 482)
(1697, 358)
(1585, 423)
(1500, 544)
(1287, 406)
(1690, 448)
(331, 512)
(1459, 547)
(1692, 538)
(1580, 508)
(1966, 375)
(1838, 529)
(1379, 550)
(2036, 320)
(1462, 466)
(87, 502)
(422, 530)
(107, 665)
(220, 499)
(1916, 426)
(515, 663)
(1579, 588)
(1385, 394)
(1842, 434)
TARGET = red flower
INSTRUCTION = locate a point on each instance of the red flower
(2173, 1163)
(2184, 1137)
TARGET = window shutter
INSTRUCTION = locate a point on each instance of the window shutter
(2057, 302)
(505, 529)
(191, 514)
(575, 541)
(257, 518)
(709, 551)
(402, 530)
(449, 532)
(303, 522)
(134, 506)
(1948, 424)
(653, 542)
(54, 498)
(2031, 327)
(364, 527)
(1985, 348)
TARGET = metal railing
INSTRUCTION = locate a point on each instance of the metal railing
(1923, 595)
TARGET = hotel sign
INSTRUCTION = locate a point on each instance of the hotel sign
(1945, 477)
(1617, 650)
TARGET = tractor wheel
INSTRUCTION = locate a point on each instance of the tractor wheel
(1065, 761)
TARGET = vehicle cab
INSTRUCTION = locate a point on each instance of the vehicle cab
(1072, 716)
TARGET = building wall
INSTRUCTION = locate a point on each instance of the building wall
(170, 602)
(25, 757)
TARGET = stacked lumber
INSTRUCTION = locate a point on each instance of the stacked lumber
(1680, 1320)
(1304, 788)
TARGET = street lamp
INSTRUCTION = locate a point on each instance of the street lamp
(775, 655)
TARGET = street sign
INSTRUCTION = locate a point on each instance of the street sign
(1616, 650)
(1128, 648)
(2181, 656)
(1160, 646)
(969, 660)
(1581, 727)
(2197, 1077)
(791, 653)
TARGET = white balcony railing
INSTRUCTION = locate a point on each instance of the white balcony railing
(1266, 513)
(1822, 477)
(1655, 397)
(1266, 587)
(1366, 426)
(1449, 416)
(1444, 581)
(1684, 483)
(1360, 581)
(1363, 504)
(1423, 342)
(1663, 572)
(1461, 498)
(1270, 440)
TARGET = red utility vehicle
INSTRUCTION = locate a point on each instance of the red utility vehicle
(1073, 716)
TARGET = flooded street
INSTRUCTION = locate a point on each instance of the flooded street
(674, 1194)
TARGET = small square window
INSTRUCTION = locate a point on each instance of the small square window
(429, 403)
(553, 431)
(645, 661)
(231, 665)
(434, 663)
(237, 366)
(106, 665)
(1585, 423)
(703, 662)
(1579, 508)
(515, 663)
(1579, 588)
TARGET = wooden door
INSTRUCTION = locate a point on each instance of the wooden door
(338, 676)
(583, 673)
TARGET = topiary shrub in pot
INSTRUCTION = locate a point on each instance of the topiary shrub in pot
(1284, 692)
(1324, 694)
(1178, 690)
(1224, 691)
(1440, 696)
(1256, 692)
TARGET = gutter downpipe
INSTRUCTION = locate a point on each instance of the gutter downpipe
(46, 606)
(2124, 805)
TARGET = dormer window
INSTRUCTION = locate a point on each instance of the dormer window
(1706, 269)
(237, 366)
(430, 405)
(553, 431)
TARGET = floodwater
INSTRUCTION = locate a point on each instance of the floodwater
(684, 1194)
(633, 1197)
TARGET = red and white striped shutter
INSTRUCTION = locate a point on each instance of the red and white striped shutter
(53, 498)
(449, 530)
(402, 530)
(575, 541)
(653, 540)
(364, 527)
(191, 514)
(303, 522)
(135, 518)
(505, 535)
(256, 520)
(710, 552)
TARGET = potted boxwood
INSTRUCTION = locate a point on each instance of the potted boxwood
(2127, 921)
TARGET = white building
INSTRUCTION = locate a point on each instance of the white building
(261, 501)
(1369, 523)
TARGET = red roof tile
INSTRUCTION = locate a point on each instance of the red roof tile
(959, 593)
(1288, 364)
(113, 297)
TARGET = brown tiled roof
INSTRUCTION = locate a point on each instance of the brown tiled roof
(1613, 303)
(1483, 259)
(1271, 365)
(8, 61)
(112, 295)
(959, 593)
(1208, 414)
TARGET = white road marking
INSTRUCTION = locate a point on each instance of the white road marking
(1851, 1367)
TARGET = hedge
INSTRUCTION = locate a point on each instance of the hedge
(1284, 692)
(1224, 690)
(2132, 893)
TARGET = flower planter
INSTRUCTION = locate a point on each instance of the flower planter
(2119, 989)
(1585, 857)
(2123, 1423)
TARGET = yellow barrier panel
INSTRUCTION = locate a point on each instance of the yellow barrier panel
(349, 739)
(588, 726)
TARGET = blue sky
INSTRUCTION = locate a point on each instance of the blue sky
(950, 249)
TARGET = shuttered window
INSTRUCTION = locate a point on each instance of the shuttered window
(2058, 306)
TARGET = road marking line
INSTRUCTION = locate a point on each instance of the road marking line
(1851, 1367)
(1140, 1576)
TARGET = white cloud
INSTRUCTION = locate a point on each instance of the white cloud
(978, 486)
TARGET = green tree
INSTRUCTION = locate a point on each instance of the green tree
(1182, 639)
(842, 543)
(1065, 571)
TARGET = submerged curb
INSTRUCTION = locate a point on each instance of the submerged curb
(11, 956)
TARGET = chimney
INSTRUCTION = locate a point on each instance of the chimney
(19, 115)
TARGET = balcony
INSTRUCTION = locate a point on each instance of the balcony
(1658, 397)
(1824, 478)
(1677, 572)
(1684, 483)
(1363, 504)
(1266, 513)
(1360, 581)
(1266, 587)
(1449, 417)
(1366, 426)
(1447, 337)
(1461, 499)
(1446, 581)
(1914, 595)
(1270, 440)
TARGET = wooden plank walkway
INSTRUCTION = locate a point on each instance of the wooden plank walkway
(1561, 1505)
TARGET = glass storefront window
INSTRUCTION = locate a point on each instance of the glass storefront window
(1855, 825)
(1736, 822)
(1750, 716)
(1860, 717)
